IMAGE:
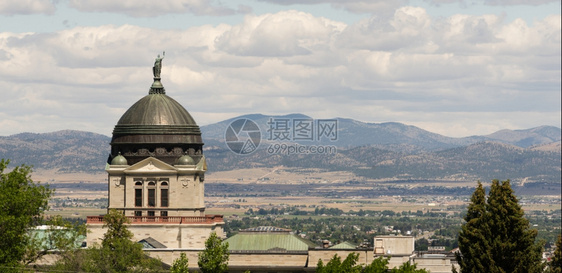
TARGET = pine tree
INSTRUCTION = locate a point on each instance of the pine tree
(496, 237)
(472, 237)
(555, 265)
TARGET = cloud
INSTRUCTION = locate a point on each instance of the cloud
(149, 8)
(354, 6)
(381, 7)
(457, 75)
(14, 7)
(287, 33)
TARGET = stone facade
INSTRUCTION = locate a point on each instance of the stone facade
(179, 222)
(153, 188)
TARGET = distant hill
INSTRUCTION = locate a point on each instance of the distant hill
(480, 161)
(529, 137)
(371, 150)
(65, 151)
(392, 135)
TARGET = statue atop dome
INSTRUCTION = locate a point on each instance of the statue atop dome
(158, 65)
(157, 87)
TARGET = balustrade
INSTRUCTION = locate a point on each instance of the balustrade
(163, 219)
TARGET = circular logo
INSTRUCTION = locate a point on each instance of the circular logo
(242, 136)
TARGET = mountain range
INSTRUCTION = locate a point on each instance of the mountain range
(371, 150)
(391, 135)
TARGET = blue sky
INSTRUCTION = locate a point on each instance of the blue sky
(457, 68)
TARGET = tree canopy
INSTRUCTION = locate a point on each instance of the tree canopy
(117, 252)
(214, 259)
(349, 265)
(180, 265)
(496, 237)
(335, 265)
(22, 203)
(555, 264)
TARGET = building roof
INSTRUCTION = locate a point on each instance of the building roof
(270, 239)
(266, 229)
(156, 109)
(151, 243)
(344, 245)
(41, 234)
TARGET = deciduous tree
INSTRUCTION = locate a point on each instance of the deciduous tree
(335, 265)
(22, 203)
(349, 265)
(60, 235)
(180, 265)
(214, 259)
(407, 267)
(118, 253)
(378, 265)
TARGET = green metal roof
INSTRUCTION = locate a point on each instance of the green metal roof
(344, 245)
(268, 241)
(41, 234)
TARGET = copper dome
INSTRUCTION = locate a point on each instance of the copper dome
(157, 126)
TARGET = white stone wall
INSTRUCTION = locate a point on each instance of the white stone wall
(394, 245)
(187, 236)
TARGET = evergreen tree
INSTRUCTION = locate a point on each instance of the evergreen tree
(496, 237)
(555, 265)
(476, 256)
(214, 259)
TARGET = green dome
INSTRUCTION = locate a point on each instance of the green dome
(119, 160)
(185, 160)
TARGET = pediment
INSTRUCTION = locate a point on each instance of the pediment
(202, 164)
(151, 165)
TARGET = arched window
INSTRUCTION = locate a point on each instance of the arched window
(164, 198)
(138, 194)
(151, 194)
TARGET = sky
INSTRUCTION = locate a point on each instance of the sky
(453, 67)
